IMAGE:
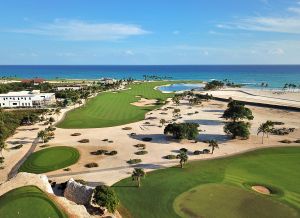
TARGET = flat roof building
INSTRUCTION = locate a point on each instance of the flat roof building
(26, 99)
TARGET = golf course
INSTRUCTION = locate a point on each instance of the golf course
(50, 159)
(115, 108)
(225, 183)
(28, 202)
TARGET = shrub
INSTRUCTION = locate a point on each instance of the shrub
(104, 140)
(237, 111)
(142, 146)
(111, 153)
(67, 169)
(127, 128)
(286, 141)
(297, 141)
(17, 147)
(214, 85)
(91, 165)
(50, 128)
(99, 152)
(76, 134)
(105, 196)
(147, 139)
(143, 152)
(110, 141)
(132, 134)
(206, 151)
(134, 161)
(84, 141)
(197, 152)
(170, 157)
(182, 130)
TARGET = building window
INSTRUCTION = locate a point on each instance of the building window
(14, 103)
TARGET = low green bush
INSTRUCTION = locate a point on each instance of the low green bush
(84, 141)
(134, 161)
(170, 157)
(91, 165)
(143, 152)
(111, 153)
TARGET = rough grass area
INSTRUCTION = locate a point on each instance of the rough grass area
(113, 109)
(274, 167)
(28, 202)
(50, 159)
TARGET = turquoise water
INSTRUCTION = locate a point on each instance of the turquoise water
(180, 87)
(250, 75)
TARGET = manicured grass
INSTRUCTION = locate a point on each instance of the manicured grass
(28, 202)
(274, 167)
(113, 109)
(50, 159)
(229, 202)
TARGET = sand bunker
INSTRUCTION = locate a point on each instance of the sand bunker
(145, 102)
(261, 189)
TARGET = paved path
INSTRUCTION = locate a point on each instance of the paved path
(14, 171)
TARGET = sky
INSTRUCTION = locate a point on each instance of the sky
(154, 32)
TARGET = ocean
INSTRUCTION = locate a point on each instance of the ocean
(250, 75)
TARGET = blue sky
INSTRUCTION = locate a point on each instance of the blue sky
(150, 32)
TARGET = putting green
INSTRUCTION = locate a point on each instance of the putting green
(230, 202)
(113, 109)
(272, 167)
(28, 202)
(50, 159)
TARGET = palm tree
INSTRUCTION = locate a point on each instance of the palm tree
(213, 144)
(137, 174)
(3, 146)
(265, 128)
(182, 156)
(42, 135)
(162, 122)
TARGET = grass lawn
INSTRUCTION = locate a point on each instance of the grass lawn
(50, 159)
(28, 202)
(219, 181)
(113, 109)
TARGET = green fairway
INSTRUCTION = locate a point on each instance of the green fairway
(229, 178)
(112, 109)
(28, 202)
(50, 159)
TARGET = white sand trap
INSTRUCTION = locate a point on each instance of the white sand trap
(145, 102)
(261, 189)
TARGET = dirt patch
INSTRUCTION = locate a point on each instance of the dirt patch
(145, 102)
(261, 189)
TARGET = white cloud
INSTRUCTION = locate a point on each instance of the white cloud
(266, 24)
(83, 31)
(276, 51)
(288, 23)
(294, 9)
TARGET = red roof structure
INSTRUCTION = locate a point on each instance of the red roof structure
(35, 80)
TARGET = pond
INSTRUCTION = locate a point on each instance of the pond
(180, 87)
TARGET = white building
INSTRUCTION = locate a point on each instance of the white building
(26, 99)
(107, 81)
(62, 88)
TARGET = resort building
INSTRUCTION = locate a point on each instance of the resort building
(62, 88)
(26, 99)
(35, 81)
(107, 81)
